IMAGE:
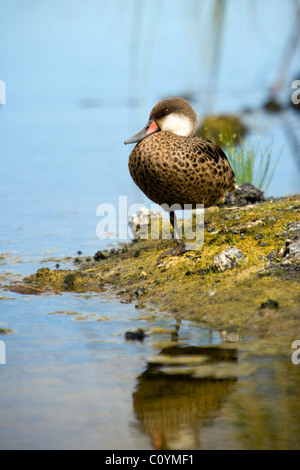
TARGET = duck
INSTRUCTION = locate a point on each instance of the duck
(171, 165)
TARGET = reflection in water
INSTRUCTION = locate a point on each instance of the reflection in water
(265, 410)
(174, 399)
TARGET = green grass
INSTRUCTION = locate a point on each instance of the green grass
(251, 162)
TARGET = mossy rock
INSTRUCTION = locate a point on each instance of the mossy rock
(220, 128)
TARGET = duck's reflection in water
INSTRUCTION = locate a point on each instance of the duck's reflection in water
(181, 391)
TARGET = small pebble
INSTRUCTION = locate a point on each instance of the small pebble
(138, 335)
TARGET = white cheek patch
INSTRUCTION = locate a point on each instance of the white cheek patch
(178, 124)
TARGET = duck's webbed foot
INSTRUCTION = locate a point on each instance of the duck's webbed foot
(179, 249)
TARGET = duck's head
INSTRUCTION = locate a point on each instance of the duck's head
(175, 115)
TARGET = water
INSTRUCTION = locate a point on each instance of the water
(78, 83)
(72, 381)
(70, 374)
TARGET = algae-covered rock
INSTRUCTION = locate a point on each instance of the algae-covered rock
(218, 127)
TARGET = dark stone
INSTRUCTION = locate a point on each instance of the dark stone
(137, 335)
(69, 280)
(99, 255)
(244, 194)
(272, 105)
(270, 304)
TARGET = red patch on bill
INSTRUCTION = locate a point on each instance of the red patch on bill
(152, 128)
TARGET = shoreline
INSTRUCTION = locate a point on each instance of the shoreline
(257, 295)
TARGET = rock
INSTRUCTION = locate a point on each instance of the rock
(69, 280)
(5, 331)
(230, 336)
(227, 259)
(139, 291)
(291, 252)
(243, 195)
(141, 220)
(99, 255)
(138, 335)
(115, 251)
(272, 105)
(218, 127)
(210, 229)
(293, 229)
(268, 309)
(270, 304)
(26, 290)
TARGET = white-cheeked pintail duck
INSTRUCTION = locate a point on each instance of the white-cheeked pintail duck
(172, 165)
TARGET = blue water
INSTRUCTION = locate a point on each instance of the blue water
(79, 82)
(69, 378)
(81, 77)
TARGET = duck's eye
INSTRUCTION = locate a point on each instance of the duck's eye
(166, 111)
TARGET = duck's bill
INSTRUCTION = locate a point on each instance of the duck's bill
(150, 128)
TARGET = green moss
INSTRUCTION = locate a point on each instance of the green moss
(190, 287)
(216, 127)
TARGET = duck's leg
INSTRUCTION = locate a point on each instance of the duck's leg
(173, 222)
(181, 247)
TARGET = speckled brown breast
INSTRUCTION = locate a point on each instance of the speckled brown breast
(171, 169)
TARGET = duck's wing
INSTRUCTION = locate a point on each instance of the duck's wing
(212, 155)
